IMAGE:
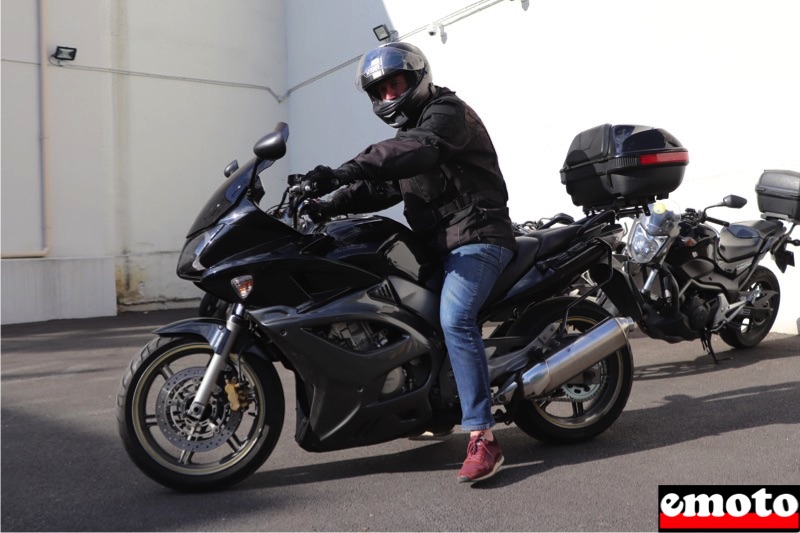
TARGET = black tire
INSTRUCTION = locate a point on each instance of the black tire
(227, 446)
(746, 332)
(580, 411)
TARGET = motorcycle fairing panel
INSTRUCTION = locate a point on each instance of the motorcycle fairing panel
(366, 366)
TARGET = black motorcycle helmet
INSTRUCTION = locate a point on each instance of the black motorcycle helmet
(383, 63)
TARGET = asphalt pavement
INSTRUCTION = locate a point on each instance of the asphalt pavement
(688, 421)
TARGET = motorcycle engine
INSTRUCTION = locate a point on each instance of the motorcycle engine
(357, 336)
(395, 382)
(700, 312)
(364, 336)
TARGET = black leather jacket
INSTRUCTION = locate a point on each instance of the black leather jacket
(444, 168)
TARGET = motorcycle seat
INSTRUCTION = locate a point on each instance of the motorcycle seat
(523, 260)
(554, 240)
(531, 247)
(764, 228)
(744, 239)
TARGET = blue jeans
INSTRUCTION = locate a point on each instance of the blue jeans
(470, 273)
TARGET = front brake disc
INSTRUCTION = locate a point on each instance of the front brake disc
(214, 429)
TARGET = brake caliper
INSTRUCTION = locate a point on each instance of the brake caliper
(237, 394)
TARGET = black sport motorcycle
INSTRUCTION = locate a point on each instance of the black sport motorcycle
(351, 310)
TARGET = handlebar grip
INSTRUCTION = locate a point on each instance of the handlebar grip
(717, 221)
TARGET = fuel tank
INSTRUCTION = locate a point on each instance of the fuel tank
(339, 257)
(381, 246)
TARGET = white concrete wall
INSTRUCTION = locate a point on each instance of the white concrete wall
(20, 128)
(165, 93)
(719, 75)
(177, 135)
(162, 96)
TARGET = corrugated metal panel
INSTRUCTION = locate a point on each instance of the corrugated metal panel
(34, 290)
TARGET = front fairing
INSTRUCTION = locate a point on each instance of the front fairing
(230, 223)
(285, 275)
(244, 228)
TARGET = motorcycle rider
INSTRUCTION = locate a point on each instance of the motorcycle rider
(443, 166)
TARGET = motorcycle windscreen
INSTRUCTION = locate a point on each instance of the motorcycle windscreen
(226, 196)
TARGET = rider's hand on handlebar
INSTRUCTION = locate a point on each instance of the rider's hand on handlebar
(317, 210)
(319, 182)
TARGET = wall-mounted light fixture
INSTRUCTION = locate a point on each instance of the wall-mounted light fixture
(64, 53)
(384, 34)
(437, 27)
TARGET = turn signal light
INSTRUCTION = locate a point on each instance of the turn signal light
(243, 285)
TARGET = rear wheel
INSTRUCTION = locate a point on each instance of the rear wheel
(235, 435)
(589, 403)
(756, 319)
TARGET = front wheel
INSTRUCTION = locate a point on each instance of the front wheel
(589, 403)
(757, 318)
(235, 435)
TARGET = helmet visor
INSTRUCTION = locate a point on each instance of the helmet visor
(384, 62)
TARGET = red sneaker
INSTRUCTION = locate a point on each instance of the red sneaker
(484, 459)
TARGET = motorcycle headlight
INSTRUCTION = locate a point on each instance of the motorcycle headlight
(642, 246)
(189, 261)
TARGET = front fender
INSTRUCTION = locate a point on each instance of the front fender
(208, 328)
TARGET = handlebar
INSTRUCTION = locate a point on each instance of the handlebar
(716, 221)
(292, 196)
(693, 217)
(732, 201)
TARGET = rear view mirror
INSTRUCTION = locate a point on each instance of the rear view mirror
(272, 146)
(736, 202)
(232, 167)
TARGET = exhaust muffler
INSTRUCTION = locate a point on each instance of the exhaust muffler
(587, 350)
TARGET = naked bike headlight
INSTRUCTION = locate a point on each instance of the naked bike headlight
(652, 231)
(642, 246)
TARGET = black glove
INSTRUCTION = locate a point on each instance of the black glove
(317, 210)
(319, 181)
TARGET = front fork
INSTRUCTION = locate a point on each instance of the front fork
(222, 343)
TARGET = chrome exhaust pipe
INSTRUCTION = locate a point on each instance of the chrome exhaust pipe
(589, 349)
